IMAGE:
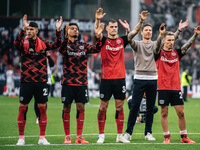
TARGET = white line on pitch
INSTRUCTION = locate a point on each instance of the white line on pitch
(10, 145)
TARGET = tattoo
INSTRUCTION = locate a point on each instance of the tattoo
(186, 46)
(135, 31)
(176, 34)
(158, 44)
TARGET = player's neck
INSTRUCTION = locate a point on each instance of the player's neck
(146, 40)
(167, 49)
(72, 39)
(112, 36)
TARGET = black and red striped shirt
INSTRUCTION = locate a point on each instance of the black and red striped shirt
(34, 65)
(74, 56)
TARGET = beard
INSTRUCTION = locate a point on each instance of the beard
(75, 36)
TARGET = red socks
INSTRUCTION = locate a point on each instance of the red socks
(66, 121)
(22, 120)
(101, 121)
(119, 118)
(80, 121)
(42, 121)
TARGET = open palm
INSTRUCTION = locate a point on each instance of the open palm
(59, 23)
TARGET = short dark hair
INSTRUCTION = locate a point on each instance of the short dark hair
(70, 24)
(33, 24)
(168, 33)
(111, 21)
(145, 25)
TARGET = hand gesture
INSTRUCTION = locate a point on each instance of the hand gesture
(143, 15)
(125, 25)
(197, 30)
(183, 25)
(99, 14)
(25, 23)
(162, 29)
(59, 24)
(66, 30)
(98, 30)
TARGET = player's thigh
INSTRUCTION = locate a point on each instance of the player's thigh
(41, 93)
(81, 94)
(176, 98)
(105, 89)
(163, 97)
(26, 92)
(67, 94)
(119, 89)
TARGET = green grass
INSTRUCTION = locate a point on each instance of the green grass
(55, 132)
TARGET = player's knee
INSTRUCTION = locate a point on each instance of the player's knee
(164, 114)
(181, 114)
(66, 106)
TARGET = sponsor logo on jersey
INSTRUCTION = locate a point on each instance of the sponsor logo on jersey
(161, 101)
(75, 53)
(170, 61)
(114, 48)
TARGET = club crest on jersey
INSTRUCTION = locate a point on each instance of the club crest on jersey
(118, 41)
(173, 54)
(81, 47)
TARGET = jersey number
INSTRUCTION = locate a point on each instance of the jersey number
(45, 92)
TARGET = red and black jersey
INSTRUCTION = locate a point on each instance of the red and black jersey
(168, 69)
(112, 57)
(34, 64)
(74, 56)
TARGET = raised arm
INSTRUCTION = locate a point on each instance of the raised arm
(180, 28)
(19, 39)
(159, 39)
(98, 16)
(137, 28)
(186, 46)
(57, 43)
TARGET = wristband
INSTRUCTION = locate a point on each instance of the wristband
(179, 30)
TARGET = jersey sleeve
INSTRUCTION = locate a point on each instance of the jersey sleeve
(125, 39)
(156, 56)
(180, 53)
(19, 40)
(103, 40)
(63, 46)
(56, 44)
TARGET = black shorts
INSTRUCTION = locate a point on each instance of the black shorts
(170, 96)
(77, 93)
(38, 90)
(117, 87)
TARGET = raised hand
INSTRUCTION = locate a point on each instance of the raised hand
(25, 23)
(143, 15)
(162, 29)
(197, 30)
(99, 14)
(59, 24)
(183, 25)
(98, 30)
(66, 30)
(125, 25)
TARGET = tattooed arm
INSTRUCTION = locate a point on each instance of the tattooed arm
(186, 46)
(180, 28)
(137, 28)
(159, 39)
